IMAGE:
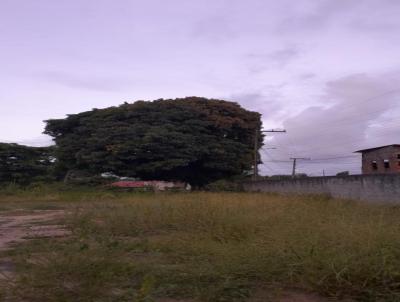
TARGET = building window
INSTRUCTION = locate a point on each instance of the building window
(386, 163)
(374, 165)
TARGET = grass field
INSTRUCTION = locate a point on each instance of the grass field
(205, 247)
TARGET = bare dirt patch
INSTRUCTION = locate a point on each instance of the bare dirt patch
(18, 226)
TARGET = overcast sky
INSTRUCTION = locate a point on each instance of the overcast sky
(326, 71)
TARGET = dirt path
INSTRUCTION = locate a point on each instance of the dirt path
(17, 226)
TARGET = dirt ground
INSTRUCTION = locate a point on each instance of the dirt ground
(19, 225)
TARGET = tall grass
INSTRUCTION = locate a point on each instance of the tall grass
(213, 247)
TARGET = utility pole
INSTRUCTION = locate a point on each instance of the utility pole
(255, 168)
(295, 162)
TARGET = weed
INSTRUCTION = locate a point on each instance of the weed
(210, 247)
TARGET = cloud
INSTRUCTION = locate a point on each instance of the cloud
(268, 104)
(376, 17)
(356, 112)
(90, 82)
(368, 17)
(283, 56)
(309, 16)
(277, 59)
(215, 28)
(307, 76)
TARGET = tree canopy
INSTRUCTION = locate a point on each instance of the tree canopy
(190, 139)
(23, 164)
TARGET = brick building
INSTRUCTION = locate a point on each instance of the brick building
(380, 160)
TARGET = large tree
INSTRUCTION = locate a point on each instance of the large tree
(24, 164)
(191, 139)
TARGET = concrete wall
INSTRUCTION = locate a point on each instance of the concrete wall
(383, 188)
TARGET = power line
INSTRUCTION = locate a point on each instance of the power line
(337, 157)
(354, 121)
(322, 159)
(375, 123)
(336, 141)
(257, 133)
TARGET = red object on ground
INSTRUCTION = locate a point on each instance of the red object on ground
(157, 185)
(131, 184)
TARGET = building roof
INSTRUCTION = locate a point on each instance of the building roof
(376, 148)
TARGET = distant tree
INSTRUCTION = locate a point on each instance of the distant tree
(191, 139)
(344, 173)
(24, 164)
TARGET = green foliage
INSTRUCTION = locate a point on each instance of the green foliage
(193, 139)
(23, 164)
